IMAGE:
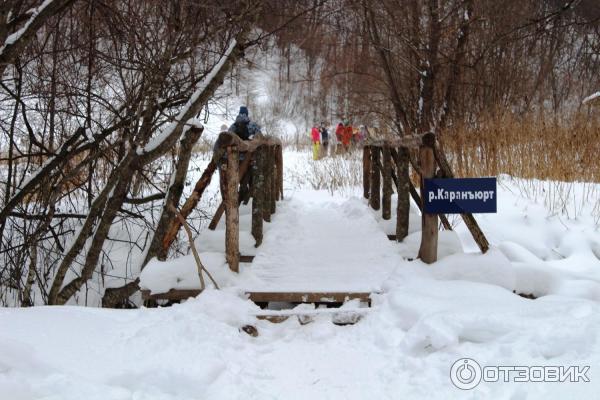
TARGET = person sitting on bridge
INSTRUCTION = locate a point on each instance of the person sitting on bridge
(246, 130)
(243, 126)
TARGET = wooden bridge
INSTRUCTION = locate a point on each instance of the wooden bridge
(253, 170)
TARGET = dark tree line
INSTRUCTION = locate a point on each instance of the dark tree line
(413, 65)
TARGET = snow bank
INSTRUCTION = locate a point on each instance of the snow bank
(423, 319)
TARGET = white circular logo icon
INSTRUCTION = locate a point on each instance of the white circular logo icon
(465, 373)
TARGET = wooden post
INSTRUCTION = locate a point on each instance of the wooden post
(266, 172)
(386, 204)
(232, 217)
(243, 175)
(403, 186)
(258, 195)
(279, 152)
(413, 192)
(274, 179)
(429, 222)
(375, 196)
(366, 171)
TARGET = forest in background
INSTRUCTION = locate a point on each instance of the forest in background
(100, 104)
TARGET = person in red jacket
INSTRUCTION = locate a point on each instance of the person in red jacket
(316, 140)
(347, 136)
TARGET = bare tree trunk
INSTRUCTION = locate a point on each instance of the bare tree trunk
(366, 171)
(86, 230)
(174, 193)
(274, 180)
(12, 48)
(386, 206)
(113, 205)
(375, 196)
(279, 153)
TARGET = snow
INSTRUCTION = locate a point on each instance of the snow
(13, 37)
(319, 244)
(169, 128)
(423, 318)
(591, 97)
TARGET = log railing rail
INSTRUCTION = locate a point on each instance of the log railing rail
(387, 161)
(247, 169)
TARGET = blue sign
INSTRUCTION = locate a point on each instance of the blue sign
(460, 196)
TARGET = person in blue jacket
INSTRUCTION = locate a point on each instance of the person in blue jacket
(245, 128)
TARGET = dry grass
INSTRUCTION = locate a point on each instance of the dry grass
(550, 156)
(527, 148)
(339, 174)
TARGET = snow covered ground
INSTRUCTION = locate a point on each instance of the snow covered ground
(424, 319)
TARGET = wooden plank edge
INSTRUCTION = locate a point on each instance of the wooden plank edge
(172, 294)
(308, 297)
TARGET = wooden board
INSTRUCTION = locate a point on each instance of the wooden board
(338, 316)
(173, 294)
(265, 297)
(303, 319)
(308, 297)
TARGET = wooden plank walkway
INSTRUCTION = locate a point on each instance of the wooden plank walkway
(319, 248)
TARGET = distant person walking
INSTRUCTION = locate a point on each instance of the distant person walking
(363, 134)
(347, 136)
(324, 139)
(316, 140)
(339, 134)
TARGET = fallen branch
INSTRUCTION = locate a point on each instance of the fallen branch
(188, 231)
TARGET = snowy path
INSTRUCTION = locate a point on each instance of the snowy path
(318, 244)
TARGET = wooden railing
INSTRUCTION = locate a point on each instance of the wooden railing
(388, 160)
(259, 176)
(248, 169)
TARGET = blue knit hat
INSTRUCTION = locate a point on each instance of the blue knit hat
(244, 110)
